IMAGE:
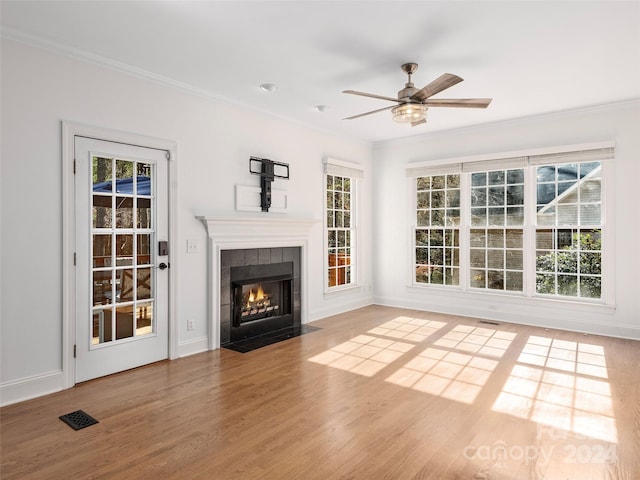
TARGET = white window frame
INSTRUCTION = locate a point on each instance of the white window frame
(354, 171)
(517, 159)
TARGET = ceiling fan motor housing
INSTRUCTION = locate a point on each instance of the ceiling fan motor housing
(407, 92)
(409, 89)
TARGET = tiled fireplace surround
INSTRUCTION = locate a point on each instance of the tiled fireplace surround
(254, 256)
(239, 239)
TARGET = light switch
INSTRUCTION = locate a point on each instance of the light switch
(192, 246)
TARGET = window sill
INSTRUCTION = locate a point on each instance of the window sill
(516, 299)
(342, 290)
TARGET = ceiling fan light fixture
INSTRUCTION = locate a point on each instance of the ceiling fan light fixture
(409, 113)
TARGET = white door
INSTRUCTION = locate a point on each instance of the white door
(122, 279)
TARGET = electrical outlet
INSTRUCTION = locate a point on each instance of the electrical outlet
(190, 325)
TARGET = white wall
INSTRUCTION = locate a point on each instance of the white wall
(393, 220)
(214, 143)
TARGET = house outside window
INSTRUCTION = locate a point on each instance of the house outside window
(531, 226)
(341, 179)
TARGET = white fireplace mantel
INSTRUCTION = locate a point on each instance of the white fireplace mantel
(256, 229)
(229, 232)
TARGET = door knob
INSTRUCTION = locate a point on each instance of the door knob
(163, 266)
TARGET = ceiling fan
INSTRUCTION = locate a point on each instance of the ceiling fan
(413, 103)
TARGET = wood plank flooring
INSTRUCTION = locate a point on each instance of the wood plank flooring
(378, 393)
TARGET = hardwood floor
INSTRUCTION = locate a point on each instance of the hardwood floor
(378, 393)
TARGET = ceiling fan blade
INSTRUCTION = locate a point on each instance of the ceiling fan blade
(372, 95)
(441, 83)
(369, 113)
(458, 102)
(419, 122)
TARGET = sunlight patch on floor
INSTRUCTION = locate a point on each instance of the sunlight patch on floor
(452, 375)
(486, 341)
(407, 328)
(369, 353)
(551, 386)
(365, 355)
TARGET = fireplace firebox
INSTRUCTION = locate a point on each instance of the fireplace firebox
(261, 299)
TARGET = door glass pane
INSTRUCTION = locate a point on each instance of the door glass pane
(144, 283)
(102, 250)
(143, 179)
(144, 213)
(124, 176)
(144, 249)
(101, 326)
(124, 250)
(102, 287)
(125, 286)
(101, 212)
(144, 318)
(124, 212)
(102, 174)
(124, 322)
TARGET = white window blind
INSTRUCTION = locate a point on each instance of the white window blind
(498, 164)
(563, 156)
(595, 155)
(427, 171)
(341, 168)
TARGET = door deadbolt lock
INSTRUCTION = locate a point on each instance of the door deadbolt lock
(163, 248)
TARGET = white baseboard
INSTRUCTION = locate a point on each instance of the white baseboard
(31, 387)
(337, 309)
(544, 317)
(191, 347)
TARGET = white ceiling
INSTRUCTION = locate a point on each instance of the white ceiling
(530, 57)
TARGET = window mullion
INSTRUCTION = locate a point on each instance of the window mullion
(529, 242)
(465, 226)
(413, 226)
(608, 276)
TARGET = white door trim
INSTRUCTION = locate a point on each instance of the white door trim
(69, 131)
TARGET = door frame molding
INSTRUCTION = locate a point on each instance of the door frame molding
(70, 130)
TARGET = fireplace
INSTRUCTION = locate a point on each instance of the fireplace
(241, 240)
(261, 299)
(274, 274)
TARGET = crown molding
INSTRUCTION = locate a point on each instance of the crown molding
(106, 62)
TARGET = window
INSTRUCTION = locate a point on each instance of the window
(569, 230)
(339, 231)
(530, 226)
(437, 235)
(496, 236)
(340, 227)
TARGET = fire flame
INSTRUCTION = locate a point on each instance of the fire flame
(259, 295)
